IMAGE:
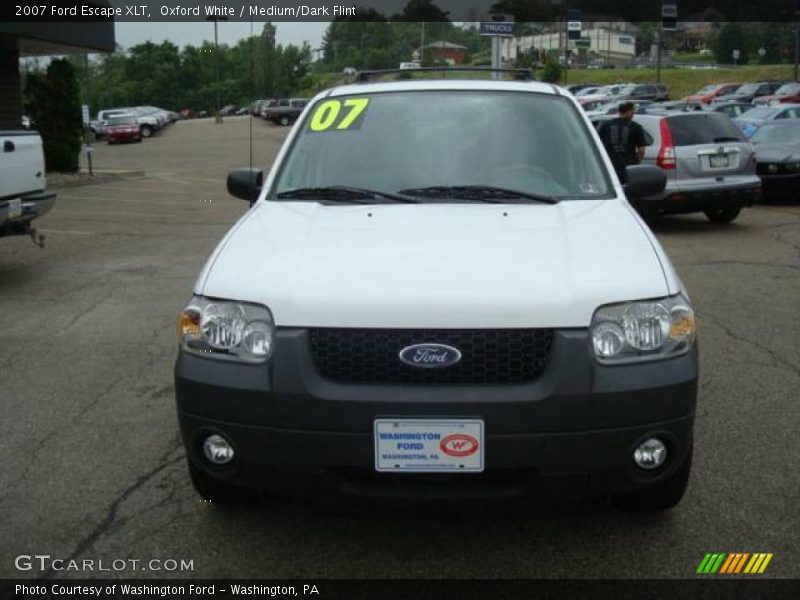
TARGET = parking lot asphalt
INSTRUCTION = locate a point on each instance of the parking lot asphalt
(92, 466)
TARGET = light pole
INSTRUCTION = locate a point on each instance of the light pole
(218, 117)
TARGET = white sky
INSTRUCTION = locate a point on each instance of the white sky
(181, 34)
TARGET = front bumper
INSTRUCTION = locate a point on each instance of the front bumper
(781, 186)
(574, 427)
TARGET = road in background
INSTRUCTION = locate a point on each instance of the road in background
(92, 466)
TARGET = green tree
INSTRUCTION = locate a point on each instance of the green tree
(731, 38)
(552, 71)
(53, 102)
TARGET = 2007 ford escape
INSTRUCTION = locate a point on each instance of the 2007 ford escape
(440, 289)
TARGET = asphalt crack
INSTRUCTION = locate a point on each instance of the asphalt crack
(110, 520)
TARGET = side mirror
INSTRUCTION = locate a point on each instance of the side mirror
(644, 181)
(245, 183)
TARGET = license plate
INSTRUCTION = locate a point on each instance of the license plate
(429, 445)
(718, 161)
(14, 208)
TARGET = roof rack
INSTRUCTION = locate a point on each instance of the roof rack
(519, 74)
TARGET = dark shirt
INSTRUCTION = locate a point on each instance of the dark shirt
(622, 137)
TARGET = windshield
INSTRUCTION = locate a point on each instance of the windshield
(707, 89)
(789, 88)
(126, 120)
(390, 142)
(785, 133)
(759, 113)
(748, 88)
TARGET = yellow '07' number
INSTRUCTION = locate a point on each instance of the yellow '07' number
(327, 114)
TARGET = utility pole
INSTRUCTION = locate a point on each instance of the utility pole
(796, 49)
(422, 46)
(658, 55)
(218, 117)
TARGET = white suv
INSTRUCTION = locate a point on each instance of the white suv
(440, 289)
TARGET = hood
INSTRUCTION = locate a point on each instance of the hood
(777, 153)
(436, 265)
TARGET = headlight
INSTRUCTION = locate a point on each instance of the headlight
(638, 331)
(227, 329)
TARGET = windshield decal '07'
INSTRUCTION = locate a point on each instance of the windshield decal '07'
(329, 115)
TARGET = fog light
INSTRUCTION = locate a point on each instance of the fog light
(650, 454)
(218, 450)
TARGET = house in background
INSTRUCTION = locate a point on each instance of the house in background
(445, 52)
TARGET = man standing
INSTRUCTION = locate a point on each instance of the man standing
(623, 139)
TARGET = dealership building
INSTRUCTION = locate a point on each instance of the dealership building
(21, 39)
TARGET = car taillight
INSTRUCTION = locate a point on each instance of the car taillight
(666, 153)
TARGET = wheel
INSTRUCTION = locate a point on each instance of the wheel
(661, 496)
(723, 215)
(218, 492)
(147, 131)
(284, 120)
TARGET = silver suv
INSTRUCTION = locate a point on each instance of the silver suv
(710, 166)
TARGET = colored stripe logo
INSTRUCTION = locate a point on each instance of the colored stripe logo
(734, 563)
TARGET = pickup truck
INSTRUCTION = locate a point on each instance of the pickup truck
(23, 196)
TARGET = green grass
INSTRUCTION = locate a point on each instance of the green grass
(682, 82)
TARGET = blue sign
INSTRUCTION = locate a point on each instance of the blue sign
(497, 28)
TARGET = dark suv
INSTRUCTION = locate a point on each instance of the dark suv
(655, 92)
(750, 91)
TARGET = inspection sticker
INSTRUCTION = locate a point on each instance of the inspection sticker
(429, 445)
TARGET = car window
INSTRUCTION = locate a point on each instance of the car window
(755, 114)
(750, 88)
(789, 88)
(540, 145)
(788, 133)
(696, 129)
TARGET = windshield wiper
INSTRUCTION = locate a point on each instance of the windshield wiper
(343, 193)
(480, 193)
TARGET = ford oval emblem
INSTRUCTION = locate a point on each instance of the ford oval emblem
(430, 356)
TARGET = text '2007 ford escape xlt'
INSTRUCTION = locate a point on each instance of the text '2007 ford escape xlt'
(440, 289)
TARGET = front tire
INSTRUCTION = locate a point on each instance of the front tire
(723, 215)
(284, 121)
(147, 131)
(661, 496)
(215, 491)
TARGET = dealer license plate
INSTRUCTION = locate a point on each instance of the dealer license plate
(429, 445)
(14, 208)
(718, 161)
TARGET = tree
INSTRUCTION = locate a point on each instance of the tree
(552, 71)
(731, 38)
(53, 102)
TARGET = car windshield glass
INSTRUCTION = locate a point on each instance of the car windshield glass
(755, 114)
(707, 89)
(695, 129)
(532, 143)
(788, 88)
(785, 133)
(748, 88)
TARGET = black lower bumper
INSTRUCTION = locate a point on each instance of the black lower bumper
(691, 201)
(781, 186)
(575, 427)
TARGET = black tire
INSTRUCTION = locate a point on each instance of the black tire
(215, 491)
(284, 121)
(147, 131)
(661, 496)
(723, 215)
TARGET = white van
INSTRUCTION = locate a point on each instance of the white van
(440, 291)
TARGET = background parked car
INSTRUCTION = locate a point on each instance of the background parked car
(710, 166)
(754, 118)
(654, 92)
(750, 91)
(732, 109)
(683, 105)
(287, 111)
(788, 92)
(777, 146)
(123, 128)
(709, 92)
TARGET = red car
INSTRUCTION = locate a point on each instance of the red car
(788, 92)
(707, 94)
(123, 128)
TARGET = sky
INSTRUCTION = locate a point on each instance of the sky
(181, 34)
